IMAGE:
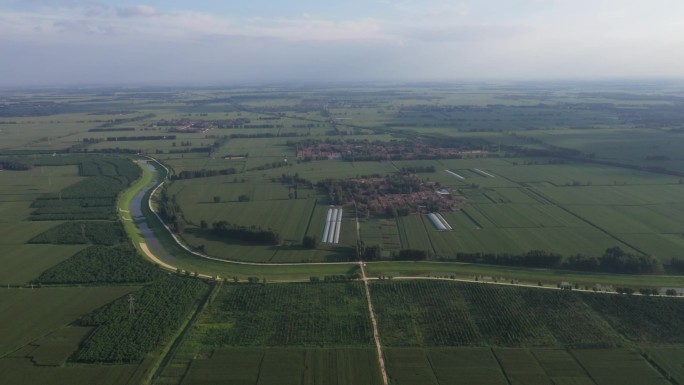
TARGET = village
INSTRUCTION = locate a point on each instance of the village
(392, 196)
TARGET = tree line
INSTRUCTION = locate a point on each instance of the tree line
(613, 260)
(251, 234)
(203, 173)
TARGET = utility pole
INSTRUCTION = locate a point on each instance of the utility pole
(131, 304)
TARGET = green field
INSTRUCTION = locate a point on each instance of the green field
(291, 366)
(557, 168)
(46, 310)
(442, 313)
(293, 314)
(280, 333)
(519, 366)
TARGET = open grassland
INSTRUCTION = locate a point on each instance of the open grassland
(45, 310)
(21, 371)
(24, 263)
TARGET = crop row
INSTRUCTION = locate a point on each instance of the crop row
(438, 313)
(294, 314)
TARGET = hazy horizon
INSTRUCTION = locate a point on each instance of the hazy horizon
(71, 42)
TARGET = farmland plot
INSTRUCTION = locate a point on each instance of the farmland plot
(429, 313)
(24, 263)
(383, 232)
(466, 366)
(413, 233)
(618, 367)
(668, 359)
(287, 366)
(289, 218)
(45, 310)
(294, 314)
(21, 371)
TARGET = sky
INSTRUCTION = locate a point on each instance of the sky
(210, 42)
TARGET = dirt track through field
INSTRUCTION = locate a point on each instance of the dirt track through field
(376, 334)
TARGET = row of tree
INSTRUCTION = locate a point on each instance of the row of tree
(251, 234)
(613, 260)
(203, 173)
(14, 165)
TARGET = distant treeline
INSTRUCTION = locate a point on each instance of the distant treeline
(535, 258)
(293, 180)
(107, 129)
(225, 123)
(613, 260)
(268, 135)
(147, 137)
(187, 174)
(251, 234)
(189, 150)
(14, 165)
(417, 169)
(264, 126)
(335, 278)
(409, 255)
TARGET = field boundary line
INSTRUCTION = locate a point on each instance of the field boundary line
(501, 368)
(432, 246)
(654, 364)
(313, 211)
(574, 357)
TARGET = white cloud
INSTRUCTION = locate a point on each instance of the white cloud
(137, 11)
(414, 39)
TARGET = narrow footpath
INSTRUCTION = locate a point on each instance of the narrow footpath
(376, 334)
